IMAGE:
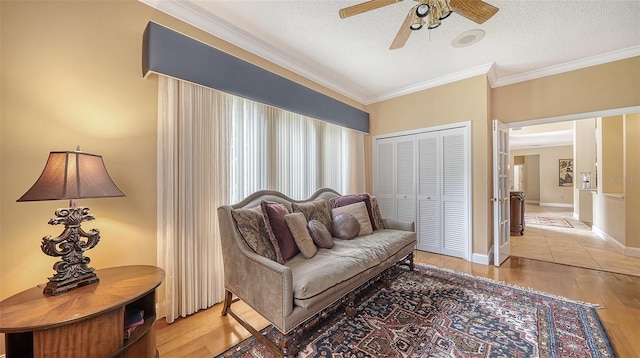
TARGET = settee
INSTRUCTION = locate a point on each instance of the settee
(294, 294)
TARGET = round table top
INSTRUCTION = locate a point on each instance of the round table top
(31, 309)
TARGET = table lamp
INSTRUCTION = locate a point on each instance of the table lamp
(71, 175)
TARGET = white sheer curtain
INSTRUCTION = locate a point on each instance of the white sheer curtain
(215, 149)
(296, 155)
(193, 142)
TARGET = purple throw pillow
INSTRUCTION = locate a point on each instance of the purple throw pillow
(279, 233)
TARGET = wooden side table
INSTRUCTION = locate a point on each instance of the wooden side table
(86, 321)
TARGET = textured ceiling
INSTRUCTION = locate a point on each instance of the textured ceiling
(525, 39)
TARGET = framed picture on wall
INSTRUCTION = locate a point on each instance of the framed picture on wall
(565, 167)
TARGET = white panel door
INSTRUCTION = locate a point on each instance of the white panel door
(384, 189)
(501, 204)
(405, 178)
(454, 189)
(428, 222)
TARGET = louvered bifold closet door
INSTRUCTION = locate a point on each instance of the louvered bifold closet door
(455, 228)
(384, 181)
(428, 223)
(405, 156)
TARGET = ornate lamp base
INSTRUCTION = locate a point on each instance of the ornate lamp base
(73, 271)
(55, 288)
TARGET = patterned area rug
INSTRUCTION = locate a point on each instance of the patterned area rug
(547, 221)
(432, 312)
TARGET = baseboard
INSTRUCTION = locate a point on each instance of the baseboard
(480, 259)
(576, 216)
(535, 202)
(558, 205)
(632, 251)
(616, 244)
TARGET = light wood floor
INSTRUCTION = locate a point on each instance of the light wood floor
(207, 333)
(577, 246)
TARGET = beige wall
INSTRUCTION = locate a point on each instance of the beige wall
(603, 87)
(632, 179)
(550, 192)
(71, 75)
(532, 178)
(443, 105)
(611, 162)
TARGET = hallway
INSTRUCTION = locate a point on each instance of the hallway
(575, 246)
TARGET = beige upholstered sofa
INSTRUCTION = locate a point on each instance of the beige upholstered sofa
(300, 290)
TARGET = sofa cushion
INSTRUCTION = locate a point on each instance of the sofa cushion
(320, 234)
(345, 261)
(345, 226)
(251, 225)
(298, 226)
(279, 233)
(377, 216)
(359, 211)
(315, 210)
(354, 198)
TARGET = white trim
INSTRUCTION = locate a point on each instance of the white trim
(536, 202)
(558, 205)
(481, 259)
(616, 244)
(424, 130)
(205, 21)
(569, 66)
(454, 77)
(197, 17)
(625, 250)
(632, 251)
(574, 117)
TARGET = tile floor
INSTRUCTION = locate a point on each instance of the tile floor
(577, 246)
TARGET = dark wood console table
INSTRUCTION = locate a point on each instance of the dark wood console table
(517, 212)
(86, 321)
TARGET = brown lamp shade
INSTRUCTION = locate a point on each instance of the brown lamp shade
(72, 175)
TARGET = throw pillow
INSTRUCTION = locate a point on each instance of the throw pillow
(315, 210)
(377, 216)
(297, 223)
(359, 210)
(345, 226)
(251, 225)
(320, 234)
(354, 198)
(279, 233)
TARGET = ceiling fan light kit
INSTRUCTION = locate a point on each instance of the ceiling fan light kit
(477, 11)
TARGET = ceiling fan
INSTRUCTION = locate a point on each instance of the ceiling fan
(433, 10)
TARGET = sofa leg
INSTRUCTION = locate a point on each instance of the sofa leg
(386, 279)
(410, 261)
(228, 299)
(350, 311)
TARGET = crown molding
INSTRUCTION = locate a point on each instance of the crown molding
(569, 66)
(195, 16)
(205, 21)
(456, 76)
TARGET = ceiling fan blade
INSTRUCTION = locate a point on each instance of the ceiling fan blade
(477, 11)
(364, 7)
(403, 34)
